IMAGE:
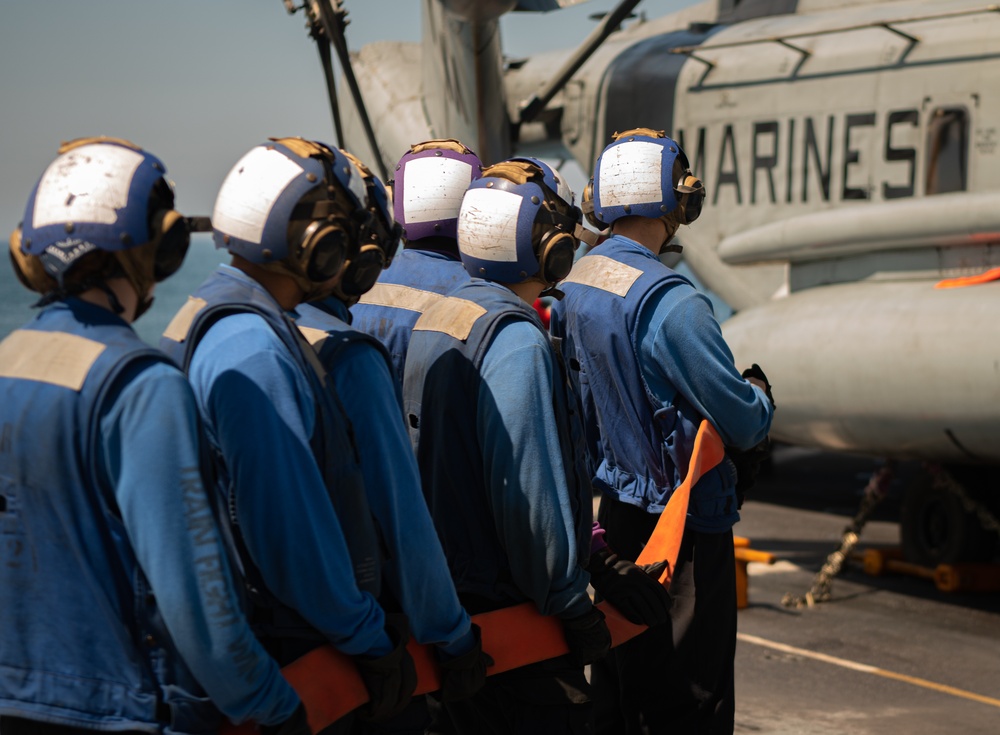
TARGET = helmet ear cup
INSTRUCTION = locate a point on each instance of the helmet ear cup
(363, 270)
(691, 197)
(28, 268)
(323, 250)
(171, 232)
(557, 251)
(330, 239)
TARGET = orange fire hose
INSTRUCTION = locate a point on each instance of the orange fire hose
(329, 685)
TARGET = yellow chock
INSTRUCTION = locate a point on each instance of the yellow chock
(877, 562)
(957, 577)
(745, 555)
(967, 577)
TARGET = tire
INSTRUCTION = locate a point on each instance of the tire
(936, 529)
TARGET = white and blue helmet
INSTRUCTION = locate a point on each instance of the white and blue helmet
(293, 203)
(98, 194)
(101, 195)
(517, 222)
(643, 173)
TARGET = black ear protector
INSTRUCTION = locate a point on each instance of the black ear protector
(329, 239)
(691, 198)
(171, 250)
(557, 254)
(373, 257)
(557, 249)
(393, 239)
(322, 250)
(332, 237)
(170, 231)
(363, 270)
(690, 193)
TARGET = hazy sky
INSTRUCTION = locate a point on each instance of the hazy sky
(197, 82)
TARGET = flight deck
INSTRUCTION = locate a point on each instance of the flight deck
(886, 654)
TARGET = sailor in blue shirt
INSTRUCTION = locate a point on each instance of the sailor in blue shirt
(430, 180)
(415, 572)
(653, 364)
(119, 613)
(292, 213)
(491, 420)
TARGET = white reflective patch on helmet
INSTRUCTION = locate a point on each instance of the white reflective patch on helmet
(434, 188)
(487, 224)
(630, 174)
(87, 184)
(250, 191)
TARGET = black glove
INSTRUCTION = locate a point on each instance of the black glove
(297, 724)
(389, 679)
(464, 675)
(637, 595)
(588, 637)
(748, 462)
(754, 371)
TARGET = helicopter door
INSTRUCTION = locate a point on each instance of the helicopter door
(947, 150)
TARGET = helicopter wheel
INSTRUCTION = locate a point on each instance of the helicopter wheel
(935, 527)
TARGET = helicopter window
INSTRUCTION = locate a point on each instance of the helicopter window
(947, 150)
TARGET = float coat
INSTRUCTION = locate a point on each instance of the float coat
(332, 443)
(416, 577)
(404, 290)
(442, 396)
(642, 449)
(67, 555)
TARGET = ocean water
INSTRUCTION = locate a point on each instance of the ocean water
(202, 257)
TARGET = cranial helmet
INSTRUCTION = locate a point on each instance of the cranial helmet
(378, 247)
(430, 180)
(107, 197)
(646, 174)
(517, 222)
(296, 207)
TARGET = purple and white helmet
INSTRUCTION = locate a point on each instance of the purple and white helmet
(430, 181)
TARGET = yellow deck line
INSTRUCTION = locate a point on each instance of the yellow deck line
(865, 668)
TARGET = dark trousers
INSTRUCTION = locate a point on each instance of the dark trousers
(414, 720)
(677, 678)
(18, 726)
(548, 698)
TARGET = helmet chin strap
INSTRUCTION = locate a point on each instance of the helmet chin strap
(670, 227)
(142, 307)
(116, 305)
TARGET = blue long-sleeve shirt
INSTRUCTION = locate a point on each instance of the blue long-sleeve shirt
(416, 569)
(681, 348)
(524, 470)
(150, 452)
(258, 408)
(653, 363)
